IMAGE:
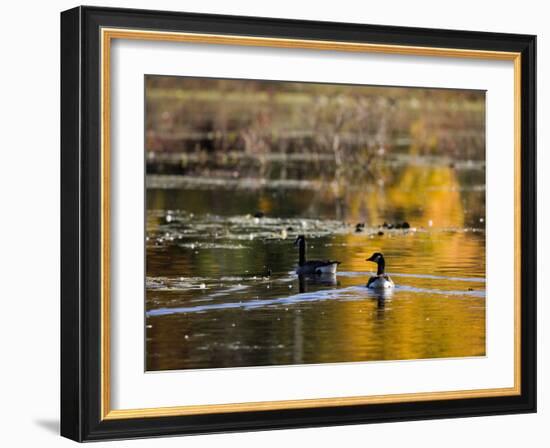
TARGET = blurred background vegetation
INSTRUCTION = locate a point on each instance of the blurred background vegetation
(350, 124)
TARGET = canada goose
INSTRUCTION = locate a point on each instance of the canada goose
(381, 279)
(312, 266)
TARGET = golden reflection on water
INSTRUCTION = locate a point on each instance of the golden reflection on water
(423, 194)
(213, 269)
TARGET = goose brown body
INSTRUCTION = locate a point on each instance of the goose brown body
(310, 267)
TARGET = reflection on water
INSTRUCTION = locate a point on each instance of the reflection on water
(221, 289)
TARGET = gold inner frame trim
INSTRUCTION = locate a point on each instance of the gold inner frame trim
(107, 35)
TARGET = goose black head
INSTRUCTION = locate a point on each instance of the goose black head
(299, 239)
(376, 257)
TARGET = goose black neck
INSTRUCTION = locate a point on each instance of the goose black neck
(381, 266)
(302, 252)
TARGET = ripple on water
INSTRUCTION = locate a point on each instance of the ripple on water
(344, 294)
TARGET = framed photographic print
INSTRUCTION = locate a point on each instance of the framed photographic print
(275, 224)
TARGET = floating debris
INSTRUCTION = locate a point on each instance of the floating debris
(397, 225)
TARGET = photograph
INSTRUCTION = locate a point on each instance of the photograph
(307, 223)
(275, 223)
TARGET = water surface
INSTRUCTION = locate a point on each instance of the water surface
(221, 289)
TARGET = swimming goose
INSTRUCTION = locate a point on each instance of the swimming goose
(312, 266)
(381, 279)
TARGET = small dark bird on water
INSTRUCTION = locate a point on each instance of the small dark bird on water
(381, 280)
(312, 266)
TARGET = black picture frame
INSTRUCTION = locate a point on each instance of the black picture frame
(81, 224)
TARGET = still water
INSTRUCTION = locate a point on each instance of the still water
(221, 289)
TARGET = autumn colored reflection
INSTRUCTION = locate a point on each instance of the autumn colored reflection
(237, 169)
